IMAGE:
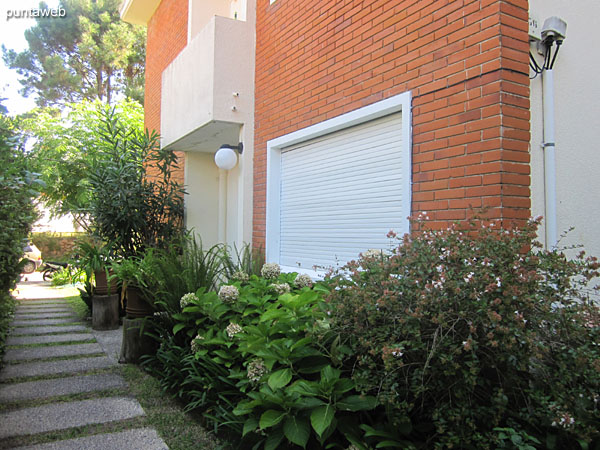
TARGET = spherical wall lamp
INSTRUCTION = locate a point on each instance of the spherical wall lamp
(226, 157)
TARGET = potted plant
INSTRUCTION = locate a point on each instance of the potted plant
(132, 273)
(95, 259)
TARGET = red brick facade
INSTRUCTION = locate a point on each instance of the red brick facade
(465, 62)
(167, 36)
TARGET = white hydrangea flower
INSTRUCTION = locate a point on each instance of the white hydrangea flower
(270, 271)
(240, 276)
(233, 329)
(228, 294)
(187, 299)
(372, 253)
(196, 343)
(256, 369)
(303, 280)
(280, 288)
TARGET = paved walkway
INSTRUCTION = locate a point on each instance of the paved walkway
(59, 376)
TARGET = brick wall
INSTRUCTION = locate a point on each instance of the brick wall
(167, 36)
(465, 61)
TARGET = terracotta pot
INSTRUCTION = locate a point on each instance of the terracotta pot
(136, 305)
(102, 287)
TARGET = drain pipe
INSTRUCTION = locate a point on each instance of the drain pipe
(549, 158)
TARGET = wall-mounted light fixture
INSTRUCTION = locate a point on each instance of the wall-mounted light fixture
(226, 158)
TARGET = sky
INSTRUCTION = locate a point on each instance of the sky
(12, 36)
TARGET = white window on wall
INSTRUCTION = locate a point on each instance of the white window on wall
(335, 189)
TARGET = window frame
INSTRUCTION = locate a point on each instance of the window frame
(398, 103)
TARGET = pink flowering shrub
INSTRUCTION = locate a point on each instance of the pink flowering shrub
(463, 334)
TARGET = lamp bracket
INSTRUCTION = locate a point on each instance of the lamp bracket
(239, 147)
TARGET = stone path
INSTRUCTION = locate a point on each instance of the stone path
(51, 362)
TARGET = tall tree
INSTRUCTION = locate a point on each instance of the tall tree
(66, 148)
(88, 54)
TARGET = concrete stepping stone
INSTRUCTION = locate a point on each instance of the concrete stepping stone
(48, 308)
(47, 330)
(34, 369)
(60, 416)
(32, 390)
(22, 354)
(48, 338)
(43, 315)
(140, 438)
(29, 323)
(43, 301)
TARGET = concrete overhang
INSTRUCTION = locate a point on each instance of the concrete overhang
(207, 91)
(207, 138)
(138, 12)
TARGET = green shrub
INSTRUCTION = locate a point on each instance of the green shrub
(130, 208)
(68, 275)
(7, 308)
(17, 214)
(464, 334)
(248, 358)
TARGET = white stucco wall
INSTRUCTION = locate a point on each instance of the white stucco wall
(219, 203)
(202, 201)
(577, 102)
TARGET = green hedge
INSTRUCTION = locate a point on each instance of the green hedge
(17, 213)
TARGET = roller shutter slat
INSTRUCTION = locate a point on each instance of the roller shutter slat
(341, 193)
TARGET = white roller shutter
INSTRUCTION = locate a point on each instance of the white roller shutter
(341, 193)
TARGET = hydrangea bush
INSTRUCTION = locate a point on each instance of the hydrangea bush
(461, 333)
(252, 363)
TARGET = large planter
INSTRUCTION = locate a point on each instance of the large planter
(102, 284)
(135, 344)
(137, 306)
(105, 312)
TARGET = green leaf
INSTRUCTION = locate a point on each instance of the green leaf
(370, 431)
(270, 418)
(516, 439)
(223, 354)
(307, 403)
(343, 385)
(250, 425)
(272, 314)
(357, 403)
(551, 441)
(178, 327)
(274, 439)
(297, 430)
(305, 388)
(301, 342)
(321, 418)
(393, 444)
(280, 378)
(330, 374)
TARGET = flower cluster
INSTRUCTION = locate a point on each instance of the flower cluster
(372, 253)
(196, 343)
(303, 280)
(565, 421)
(280, 288)
(187, 299)
(233, 329)
(240, 276)
(256, 369)
(228, 294)
(270, 271)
